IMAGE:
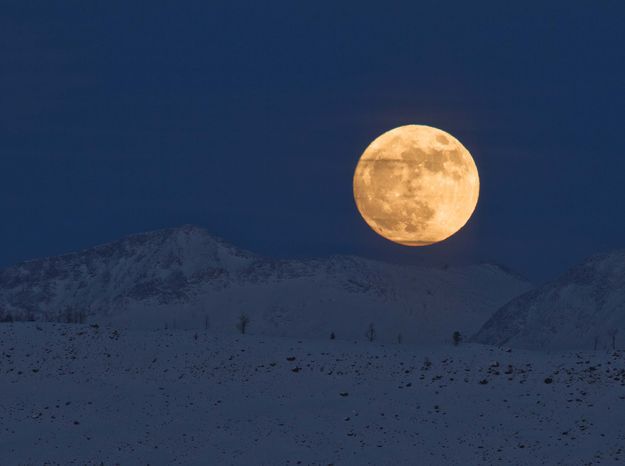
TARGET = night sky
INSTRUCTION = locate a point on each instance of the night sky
(248, 118)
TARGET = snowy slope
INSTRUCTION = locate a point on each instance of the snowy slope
(186, 278)
(75, 395)
(581, 309)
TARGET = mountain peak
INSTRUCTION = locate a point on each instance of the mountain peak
(580, 309)
(186, 277)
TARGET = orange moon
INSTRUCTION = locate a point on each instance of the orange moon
(416, 185)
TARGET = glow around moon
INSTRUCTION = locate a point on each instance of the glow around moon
(416, 185)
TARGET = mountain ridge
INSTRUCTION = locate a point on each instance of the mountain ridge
(185, 277)
(580, 309)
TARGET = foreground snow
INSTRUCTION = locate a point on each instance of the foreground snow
(79, 395)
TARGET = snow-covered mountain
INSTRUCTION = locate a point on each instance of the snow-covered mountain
(186, 278)
(585, 308)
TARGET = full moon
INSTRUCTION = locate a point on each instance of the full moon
(416, 185)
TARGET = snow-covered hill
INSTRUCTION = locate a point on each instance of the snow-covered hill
(76, 395)
(585, 308)
(186, 278)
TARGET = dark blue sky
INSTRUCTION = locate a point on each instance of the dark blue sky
(248, 118)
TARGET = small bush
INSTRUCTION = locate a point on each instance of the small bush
(243, 322)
